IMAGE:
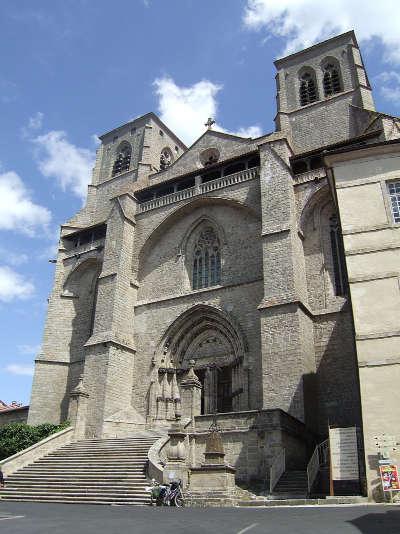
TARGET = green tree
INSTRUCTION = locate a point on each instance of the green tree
(16, 437)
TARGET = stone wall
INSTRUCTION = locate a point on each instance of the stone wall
(15, 415)
(252, 439)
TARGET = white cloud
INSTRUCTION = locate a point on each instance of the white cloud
(19, 369)
(304, 22)
(250, 131)
(28, 349)
(17, 210)
(186, 109)
(14, 286)
(70, 165)
(12, 258)
(35, 123)
(390, 86)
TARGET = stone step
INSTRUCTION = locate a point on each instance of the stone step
(72, 493)
(125, 458)
(86, 467)
(112, 452)
(108, 444)
(104, 448)
(77, 476)
(101, 451)
(291, 485)
(75, 447)
(89, 472)
(61, 485)
(94, 471)
(103, 499)
(142, 482)
(80, 467)
(138, 457)
(71, 461)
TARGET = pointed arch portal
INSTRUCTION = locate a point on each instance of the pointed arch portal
(209, 338)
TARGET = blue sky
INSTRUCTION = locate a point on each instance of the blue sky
(74, 69)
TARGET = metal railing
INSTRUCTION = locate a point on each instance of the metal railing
(212, 185)
(319, 457)
(277, 469)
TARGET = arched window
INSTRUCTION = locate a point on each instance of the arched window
(339, 268)
(308, 88)
(332, 84)
(206, 260)
(123, 160)
(166, 158)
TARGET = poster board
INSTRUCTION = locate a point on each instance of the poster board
(389, 477)
(344, 453)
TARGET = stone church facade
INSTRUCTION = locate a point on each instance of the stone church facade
(225, 257)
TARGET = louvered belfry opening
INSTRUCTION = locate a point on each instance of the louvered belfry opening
(332, 83)
(122, 161)
(308, 89)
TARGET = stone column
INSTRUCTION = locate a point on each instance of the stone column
(176, 397)
(77, 409)
(235, 387)
(176, 468)
(160, 405)
(210, 400)
(191, 394)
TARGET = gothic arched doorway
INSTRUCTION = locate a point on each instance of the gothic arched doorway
(207, 337)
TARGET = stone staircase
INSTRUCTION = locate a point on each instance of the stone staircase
(291, 485)
(96, 471)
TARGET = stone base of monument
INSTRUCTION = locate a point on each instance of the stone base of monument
(212, 485)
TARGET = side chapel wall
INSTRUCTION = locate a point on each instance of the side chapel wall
(336, 380)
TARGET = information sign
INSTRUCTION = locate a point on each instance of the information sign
(344, 453)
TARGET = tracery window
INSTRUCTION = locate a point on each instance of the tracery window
(308, 88)
(207, 260)
(123, 160)
(332, 84)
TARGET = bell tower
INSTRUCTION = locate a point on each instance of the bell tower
(320, 92)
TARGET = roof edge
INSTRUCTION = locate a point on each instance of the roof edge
(349, 33)
(148, 115)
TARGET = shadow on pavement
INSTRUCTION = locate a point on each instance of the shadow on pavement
(383, 522)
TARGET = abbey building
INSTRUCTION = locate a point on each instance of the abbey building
(234, 258)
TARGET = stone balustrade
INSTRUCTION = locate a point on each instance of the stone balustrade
(309, 176)
(201, 189)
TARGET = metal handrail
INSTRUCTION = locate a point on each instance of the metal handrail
(277, 469)
(319, 457)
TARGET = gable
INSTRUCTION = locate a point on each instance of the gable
(228, 147)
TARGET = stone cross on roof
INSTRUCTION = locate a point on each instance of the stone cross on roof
(209, 123)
